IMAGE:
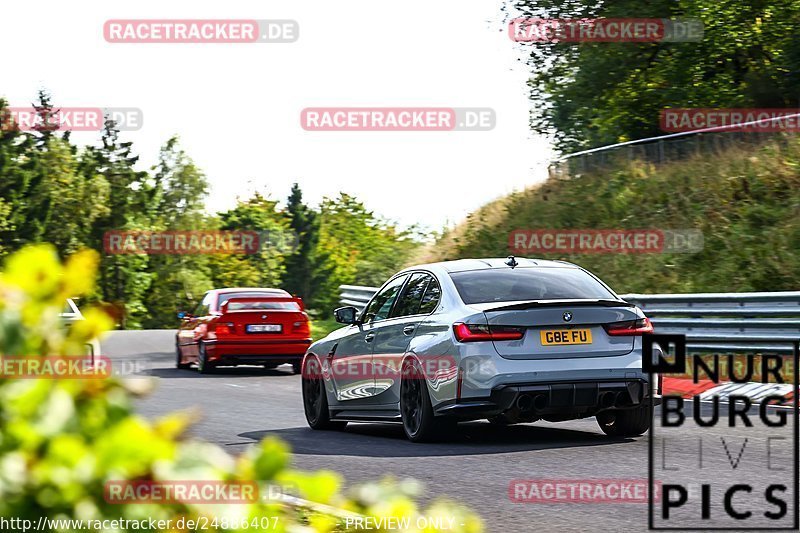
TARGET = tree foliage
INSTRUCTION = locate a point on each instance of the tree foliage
(358, 246)
(591, 94)
(53, 191)
(302, 278)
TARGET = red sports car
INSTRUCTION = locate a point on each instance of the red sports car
(247, 326)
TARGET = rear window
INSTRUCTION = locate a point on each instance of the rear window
(238, 306)
(225, 296)
(508, 285)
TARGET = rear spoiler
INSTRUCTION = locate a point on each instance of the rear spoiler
(260, 299)
(531, 304)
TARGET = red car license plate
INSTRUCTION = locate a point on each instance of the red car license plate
(264, 328)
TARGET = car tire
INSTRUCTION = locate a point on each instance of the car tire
(625, 422)
(203, 366)
(178, 364)
(315, 399)
(297, 367)
(419, 422)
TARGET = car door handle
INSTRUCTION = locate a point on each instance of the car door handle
(368, 337)
(408, 330)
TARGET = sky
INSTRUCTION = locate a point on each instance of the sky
(236, 107)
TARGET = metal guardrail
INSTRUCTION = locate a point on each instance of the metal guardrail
(356, 295)
(715, 321)
(667, 148)
(710, 321)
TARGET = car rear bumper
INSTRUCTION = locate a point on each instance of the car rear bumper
(539, 400)
(263, 351)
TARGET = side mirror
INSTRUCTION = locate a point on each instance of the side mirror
(346, 315)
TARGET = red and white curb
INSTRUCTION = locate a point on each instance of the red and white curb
(707, 390)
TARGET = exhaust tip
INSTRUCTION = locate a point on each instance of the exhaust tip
(621, 400)
(525, 402)
(608, 399)
(540, 402)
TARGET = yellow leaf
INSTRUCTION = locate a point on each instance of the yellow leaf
(34, 269)
(80, 271)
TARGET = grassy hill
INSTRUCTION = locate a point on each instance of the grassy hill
(745, 201)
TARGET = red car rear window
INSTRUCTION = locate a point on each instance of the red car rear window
(238, 306)
(225, 296)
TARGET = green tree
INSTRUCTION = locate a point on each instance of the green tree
(47, 114)
(16, 183)
(178, 191)
(175, 201)
(53, 191)
(5, 225)
(124, 279)
(66, 202)
(301, 275)
(590, 94)
(358, 247)
(265, 267)
(49, 192)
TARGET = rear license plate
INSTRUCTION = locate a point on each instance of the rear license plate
(264, 328)
(563, 337)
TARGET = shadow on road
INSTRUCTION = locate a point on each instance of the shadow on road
(472, 438)
(222, 372)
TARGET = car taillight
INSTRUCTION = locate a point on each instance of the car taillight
(629, 327)
(301, 326)
(225, 328)
(481, 332)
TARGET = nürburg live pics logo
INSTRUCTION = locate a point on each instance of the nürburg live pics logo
(725, 450)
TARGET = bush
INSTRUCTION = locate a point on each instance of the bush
(745, 201)
(62, 440)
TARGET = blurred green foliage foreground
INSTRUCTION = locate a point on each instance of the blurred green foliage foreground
(62, 440)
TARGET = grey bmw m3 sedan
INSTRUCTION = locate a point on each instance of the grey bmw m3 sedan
(509, 340)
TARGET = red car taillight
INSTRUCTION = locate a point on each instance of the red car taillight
(225, 328)
(629, 327)
(480, 332)
(301, 327)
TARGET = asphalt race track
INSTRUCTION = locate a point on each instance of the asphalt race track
(241, 405)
